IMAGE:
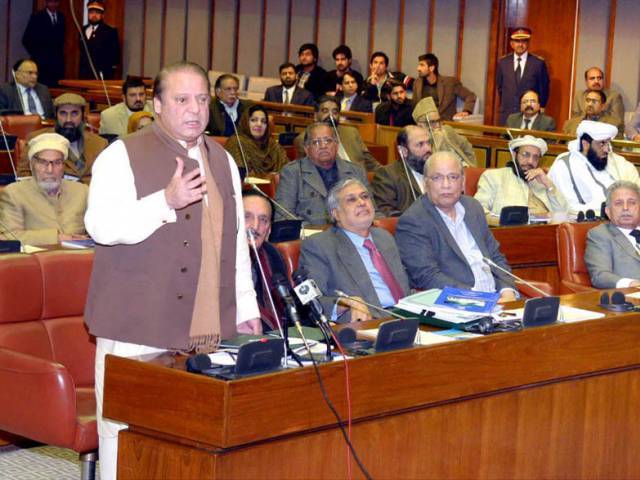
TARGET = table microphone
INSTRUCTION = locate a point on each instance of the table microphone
(9, 246)
(308, 293)
(491, 263)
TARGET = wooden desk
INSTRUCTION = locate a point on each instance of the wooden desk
(551, 402)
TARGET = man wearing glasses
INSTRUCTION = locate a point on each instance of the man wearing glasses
(584, 172)
(443, 237)
(594, 105)
(522, 182)
(44, 209)
(305, 183)
(226, 108)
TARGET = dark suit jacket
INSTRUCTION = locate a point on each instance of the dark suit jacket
(10, 99)
(217, 116)
(300, 96)
(391, 189)
(359, 104)
(45, 43)
(334, 263)
(315, 84)
(431, 255)
(534, 77)
(401, 117)
(609, 256)
(331, 81)
(448, 89)
(543, 122)
(104, 47)
(93, 145)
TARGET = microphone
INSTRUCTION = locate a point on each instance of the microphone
(104, 87)
(308, 293)
(277, 204)
(284, 291)
(6, 146)
(335, 129)
(10, 246)
(491, 263)
(341, 294)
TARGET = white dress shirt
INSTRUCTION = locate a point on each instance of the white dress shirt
(523, 61)
(25, 101)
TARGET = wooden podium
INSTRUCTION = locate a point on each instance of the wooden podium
(561, 401)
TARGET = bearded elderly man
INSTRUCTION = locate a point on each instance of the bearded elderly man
(521, 183)
(612, 254)
(353, 256)
(171, 268)
(451, 235)
(84, 146)
(584, 172)
(44, 209)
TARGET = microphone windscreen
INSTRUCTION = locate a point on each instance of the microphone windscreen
(604, 299)
(590, 214)
(299, 275)
(580, 217)
(617, 298)
(346, 335)
(199, 362)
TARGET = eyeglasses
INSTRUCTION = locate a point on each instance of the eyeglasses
(322, 142)
(592, 100)
(46, 163)
(452, 177)
(529, 155)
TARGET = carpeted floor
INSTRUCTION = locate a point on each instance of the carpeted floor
(39, 463)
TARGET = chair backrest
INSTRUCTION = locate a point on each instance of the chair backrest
(571, 239)
(260, 84)
(290, 252)
(93, 121)
(471, 177)
(388, 223)
(21, 125)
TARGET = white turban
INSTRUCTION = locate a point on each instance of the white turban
(48, 141)
(529, 140)
(597, 130)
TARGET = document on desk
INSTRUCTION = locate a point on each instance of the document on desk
(424, 303)
(424, 338)
(567, 314)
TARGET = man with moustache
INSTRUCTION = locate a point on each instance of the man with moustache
(258, 217)
(376, 86)
(25, 94)
(115, 120)
(311, 76)
(226, 108)
(584, 172)
(594, 80)
(521, 183)
(288, 91)
(395, 112)
(84, 145)
(102, 42)
(397, 185)
(349, 98)
(594, 101)
(171, 269)
(530, 116)
(333, 80)
(353, 256)
(612, 254)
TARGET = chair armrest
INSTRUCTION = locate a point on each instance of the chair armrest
(37, 398)
(573, 287)
(529, 292)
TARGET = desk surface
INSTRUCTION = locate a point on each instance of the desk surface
(548, 401)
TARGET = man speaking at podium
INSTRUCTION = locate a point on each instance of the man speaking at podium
(171, 268)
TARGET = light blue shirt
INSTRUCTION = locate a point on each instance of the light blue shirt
(25, 101)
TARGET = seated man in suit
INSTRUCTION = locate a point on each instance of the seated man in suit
(226, 108)
(348, 95)
(351, 147)
(530, 117)
(613, 249)
(584, 172)
(25, 94)
(395, 112)
(44, 209)
(258, 217)
(444, 137)
(594, 80)
(115, 120)
(443, 237)
(397, 185)
(311, 76)
(84, 145)
(594, 101)
(521, 183)
(352, 256)
(288, 91)
(305, 183)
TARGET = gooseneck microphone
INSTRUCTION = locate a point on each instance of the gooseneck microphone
(493, 264)
(244, 158)
(335, 129)
(409, 175)
(308, 293)
(277, 204)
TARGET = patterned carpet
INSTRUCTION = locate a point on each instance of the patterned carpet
(40, 463)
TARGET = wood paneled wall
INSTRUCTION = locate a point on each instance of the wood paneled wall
(254, 36)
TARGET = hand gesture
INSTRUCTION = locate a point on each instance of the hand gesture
(186, 189)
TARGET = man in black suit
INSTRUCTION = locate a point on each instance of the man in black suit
(530, 117)
(26, 94)
(396, 112)
(519, 72)
(349, 99)
(333, 81)
(44, 40)
(310, 75)
(288, 91)
(102, 42)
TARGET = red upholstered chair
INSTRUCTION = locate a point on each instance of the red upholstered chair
(388, 223)
(93, 121)
(290, 252)
(46, 354)
(21, 125)
(571, 239)
(471, 177)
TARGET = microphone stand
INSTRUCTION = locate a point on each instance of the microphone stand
(6, 146)
(493, 264)
(277, 204)
(406, 171)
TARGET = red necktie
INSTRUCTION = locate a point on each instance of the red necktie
(383, 269)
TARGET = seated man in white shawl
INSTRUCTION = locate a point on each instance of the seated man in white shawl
(589, 167)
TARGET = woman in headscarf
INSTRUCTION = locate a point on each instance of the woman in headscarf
(261, 152)
(138, 120)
